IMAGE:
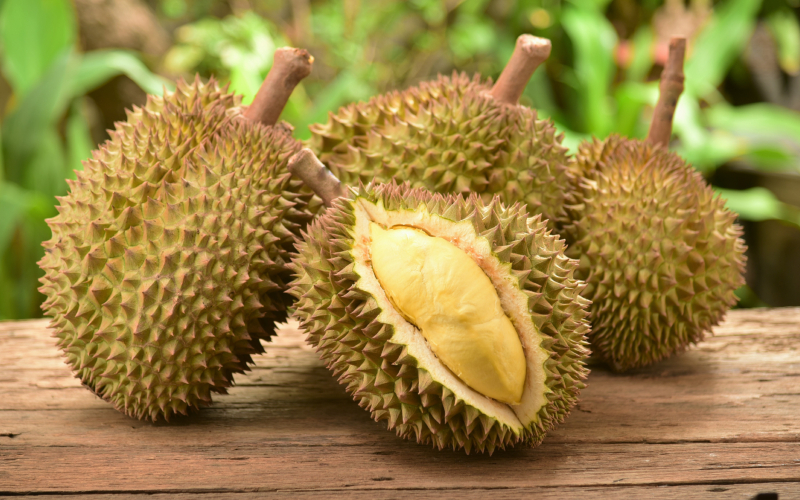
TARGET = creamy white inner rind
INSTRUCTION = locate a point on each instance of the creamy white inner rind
(514, 303)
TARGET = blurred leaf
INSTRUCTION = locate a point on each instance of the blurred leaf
(79, 139)
(593, 39)
(748, 298)
(642, 60)
(433, 11)
(769, 133)
(715, 150)
(767, 120)
(28, 250)
(758, 204)
(347, 87)
(69, 76)
(472, 7)
(97, 67)
(470, 36)
(296, 112)
(768, 157)
(572, 139)
(238, 49)
(688, 121)
(249, 63)
(35, 113)
(595, 5)
(719, 44)
(246, 82)
(24, 211)
(2, 169)
(785, 28)
(631, 98)
(13, 204)
(704, 149)
(173, 8)
(183, 58)
(34, 33)
(540, 92)
(46, 170)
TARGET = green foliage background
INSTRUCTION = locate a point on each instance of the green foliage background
(601, 78)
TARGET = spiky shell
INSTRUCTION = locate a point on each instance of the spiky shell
(167, 263)
(660, 252)
(448, 136)
(384, 375)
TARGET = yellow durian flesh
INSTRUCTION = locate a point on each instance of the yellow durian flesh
(440, 289)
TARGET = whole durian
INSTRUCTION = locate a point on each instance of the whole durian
(660, 252)
(456, 321)
(454, 135)
(167, 263)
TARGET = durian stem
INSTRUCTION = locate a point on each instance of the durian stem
(530, 52)
(670, 90)
(313, 173)
(288, 68)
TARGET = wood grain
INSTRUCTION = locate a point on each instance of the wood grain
(722, 420)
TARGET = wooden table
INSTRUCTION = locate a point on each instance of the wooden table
(720, 421)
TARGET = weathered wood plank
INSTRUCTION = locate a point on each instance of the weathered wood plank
(662, 492)
(724, 413)
(296, 462)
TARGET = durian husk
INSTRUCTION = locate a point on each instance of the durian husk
(661, 254)
(384, 375)
(448, 135)
(168, 260)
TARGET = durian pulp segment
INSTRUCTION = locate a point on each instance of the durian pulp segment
(513, 300)
(441, 290)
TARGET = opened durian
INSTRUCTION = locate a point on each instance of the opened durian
(454, 135)
(660, 252)
(167, 263)
(456, 321)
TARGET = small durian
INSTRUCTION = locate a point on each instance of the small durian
(661, 254)
(168, 259)
(456, 321)
(454, 135)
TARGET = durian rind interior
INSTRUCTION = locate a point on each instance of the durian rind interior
(463, 236)
(387, 365)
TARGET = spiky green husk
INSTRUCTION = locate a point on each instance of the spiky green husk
(448, 136)
(168, 258)
(660, 252)
(382, 376)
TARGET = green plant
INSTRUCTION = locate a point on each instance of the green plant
(45, 133)
(613, 96)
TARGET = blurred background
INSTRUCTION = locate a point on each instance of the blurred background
(70, 68)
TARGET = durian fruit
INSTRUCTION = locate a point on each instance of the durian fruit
(456, 321)
(454, 135)
(661, 254)
(167, 263)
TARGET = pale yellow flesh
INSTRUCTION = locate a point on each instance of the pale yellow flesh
(440, 289)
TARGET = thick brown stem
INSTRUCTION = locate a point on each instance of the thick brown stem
(529, 53)
(289, 67)
(313, 173)
(670, 90)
